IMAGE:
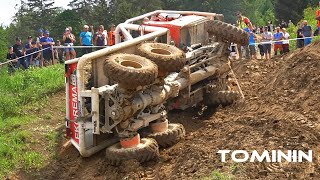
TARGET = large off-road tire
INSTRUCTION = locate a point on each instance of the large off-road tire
(130, 70)
(147, 150)
(227, 32)
(171, 136)
(168, 57)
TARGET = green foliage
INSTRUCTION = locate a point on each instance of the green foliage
(217, 175)
(3, 44)
(27, 86)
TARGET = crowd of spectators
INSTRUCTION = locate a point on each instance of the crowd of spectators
(44, 51)
(270, 39)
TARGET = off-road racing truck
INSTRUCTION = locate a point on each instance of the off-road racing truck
(117, 98)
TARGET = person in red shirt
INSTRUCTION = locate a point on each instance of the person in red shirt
(245, 24)
(318, 16)
(111, 38)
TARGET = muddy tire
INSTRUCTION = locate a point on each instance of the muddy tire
(171, 136)
(223, 98)
(130, 70)
(147, 150)
(168, 58)
(227, 32)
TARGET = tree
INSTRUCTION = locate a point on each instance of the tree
(84, 8)
(290, 10)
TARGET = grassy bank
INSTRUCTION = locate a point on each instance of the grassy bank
(20, 94)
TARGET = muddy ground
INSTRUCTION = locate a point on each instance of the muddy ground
(280, 111)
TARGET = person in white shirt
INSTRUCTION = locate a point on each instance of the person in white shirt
(105, 33)
(266, 42)
(285, 42)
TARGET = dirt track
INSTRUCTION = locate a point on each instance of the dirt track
(281, 111)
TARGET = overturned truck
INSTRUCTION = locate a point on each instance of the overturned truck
(117, 98)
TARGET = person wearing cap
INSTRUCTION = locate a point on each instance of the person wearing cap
(278, 37)
(112, 38)
(47, 43)
(285, 42)
(18, 50)
(86, 39)
(307, 33)
(69, 39)
(27, 49)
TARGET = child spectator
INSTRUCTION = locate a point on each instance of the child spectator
(35, 57)
(285, 42)
(11, 56)
(59, 52)
(278, 36)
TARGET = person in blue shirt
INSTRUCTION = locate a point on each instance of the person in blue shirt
(278, 36)
(252, 45)
(47, 43)
(307, 33)
(86, 39)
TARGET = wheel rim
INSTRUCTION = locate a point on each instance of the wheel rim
(130, 142)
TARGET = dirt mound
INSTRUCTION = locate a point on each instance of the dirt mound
(280, 112)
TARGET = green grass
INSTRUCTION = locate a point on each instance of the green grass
(27, 87)
(18, 93)
(217, 175)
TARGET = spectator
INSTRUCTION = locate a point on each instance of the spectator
(285, 42)
(244, 23)
(300, 40)
(233, 53)
(69, 39)
(100, 38)
(290, 23)
(17, 49)
(266, 42)
(59, 52)
(40, 35)
(318, 17)
(270, 26)
(283, 24)
(86, 39)
(35, 57)
(307, 33)
(278, 36)
(112, 38)
(47, 43)
(28, 51)
(11, 56)
(252, 45)
(105, 33)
